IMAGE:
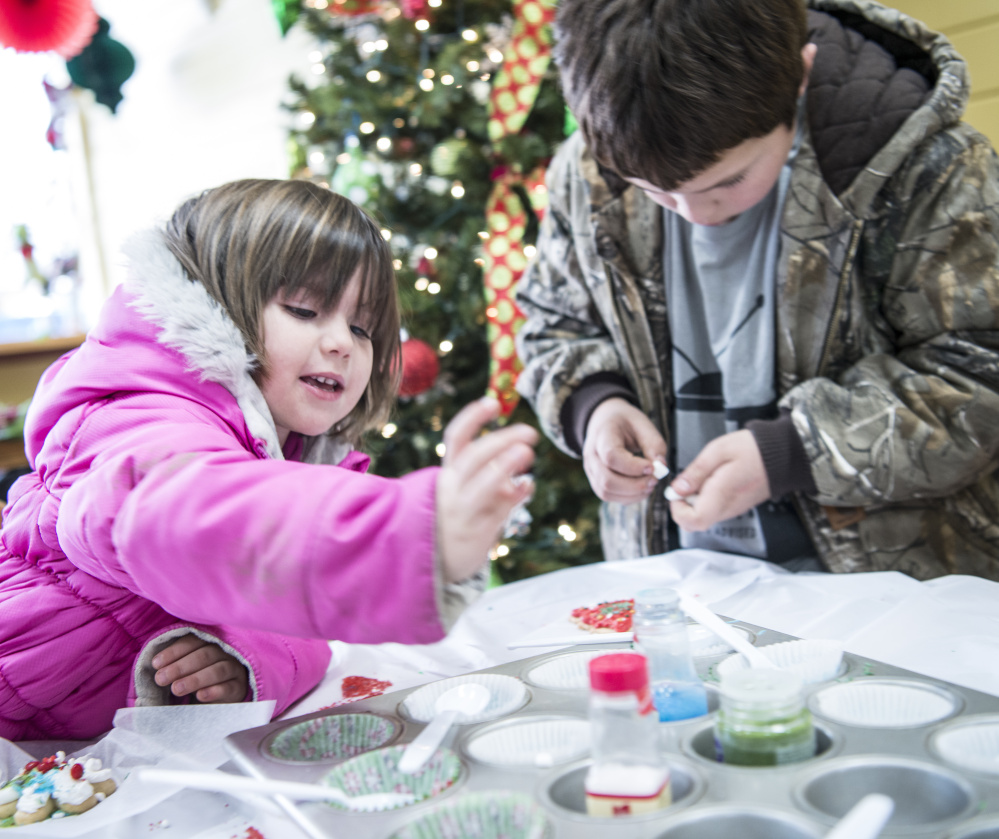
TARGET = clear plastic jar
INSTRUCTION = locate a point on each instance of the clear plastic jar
(661, 636)
(763, 720)
(628, 774)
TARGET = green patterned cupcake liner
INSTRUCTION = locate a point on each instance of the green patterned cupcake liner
(481, 815)
(333, 737)
(378, 771)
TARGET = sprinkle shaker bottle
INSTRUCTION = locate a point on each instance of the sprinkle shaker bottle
(661, 636)
(628, 774)
(763, 720)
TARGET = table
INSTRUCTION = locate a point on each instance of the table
(946, 628)
(21, 365)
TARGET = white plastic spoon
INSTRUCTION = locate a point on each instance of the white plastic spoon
(866, 818)
(465, 700)
(704, 616)
(223, 782)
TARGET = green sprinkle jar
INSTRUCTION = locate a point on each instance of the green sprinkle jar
(762, 719)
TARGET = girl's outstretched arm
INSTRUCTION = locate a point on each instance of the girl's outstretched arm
(477, 489)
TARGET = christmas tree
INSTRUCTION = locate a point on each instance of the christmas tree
(438, 117)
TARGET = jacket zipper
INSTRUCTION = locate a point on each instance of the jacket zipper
(851, 253)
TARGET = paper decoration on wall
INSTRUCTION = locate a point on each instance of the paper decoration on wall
(286, 12)
(513, 96)
(61, 26)
(103, 66)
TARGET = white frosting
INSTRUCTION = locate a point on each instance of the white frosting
(31, 801)
(67, 790)
(9, 793)
(616, 779)
(92, 770)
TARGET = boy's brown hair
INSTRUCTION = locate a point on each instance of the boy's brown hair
(661, 88)
(247, 240)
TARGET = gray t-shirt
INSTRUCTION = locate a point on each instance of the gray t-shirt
(720, 286)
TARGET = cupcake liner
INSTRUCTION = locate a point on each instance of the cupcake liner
(565, 672)
(333, 737)
(815, 661)
(378, 771)
(531, 743)
(882, 704)
(971, 744)
(507, 694)
(484, 815)
(704, 643)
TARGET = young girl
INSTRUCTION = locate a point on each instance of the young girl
(185, 531)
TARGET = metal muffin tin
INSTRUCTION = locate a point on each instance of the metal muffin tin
(938, 792)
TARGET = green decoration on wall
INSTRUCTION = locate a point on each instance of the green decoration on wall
(286, 12)
(103, 66)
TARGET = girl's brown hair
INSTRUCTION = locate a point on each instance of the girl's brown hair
(247, 240)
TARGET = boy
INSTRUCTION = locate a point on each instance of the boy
(809, 336)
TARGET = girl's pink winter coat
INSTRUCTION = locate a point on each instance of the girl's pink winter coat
(160, 501)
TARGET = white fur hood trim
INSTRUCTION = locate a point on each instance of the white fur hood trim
(198, 327)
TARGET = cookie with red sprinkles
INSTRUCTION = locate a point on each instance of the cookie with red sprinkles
(610, 616)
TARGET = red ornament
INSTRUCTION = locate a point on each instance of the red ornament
(420, 367)
(352, 8)
(414, 8)
(63, 26)
(76, 771)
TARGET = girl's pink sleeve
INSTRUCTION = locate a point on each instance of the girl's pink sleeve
(280, 668)
(219, 536)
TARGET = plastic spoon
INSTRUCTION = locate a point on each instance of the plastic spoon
(704, 616)
(462, 701)
(866, 818)
(222, 782)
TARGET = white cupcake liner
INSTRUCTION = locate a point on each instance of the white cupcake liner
(705, 644)
(565, 672)
(883, 704)
(484, 815)
(531, 743)
(378, 771)
(507, 694)
(970, 744)
(815, 661)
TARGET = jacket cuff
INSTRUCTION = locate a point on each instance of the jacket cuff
(783, 456)
(147, 692)
(577, 409)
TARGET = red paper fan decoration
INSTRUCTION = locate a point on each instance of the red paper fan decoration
(63, 26)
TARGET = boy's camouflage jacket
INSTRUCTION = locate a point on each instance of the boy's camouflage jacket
(887, 335)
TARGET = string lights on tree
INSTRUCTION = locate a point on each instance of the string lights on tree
(439, 117)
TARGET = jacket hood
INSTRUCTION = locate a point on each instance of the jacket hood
(883, 82)
(183, 344)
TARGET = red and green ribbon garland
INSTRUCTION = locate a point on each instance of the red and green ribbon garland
(513, 96)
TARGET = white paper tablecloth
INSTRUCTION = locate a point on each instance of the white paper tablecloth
(946, 628)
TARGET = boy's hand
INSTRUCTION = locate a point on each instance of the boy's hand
(621, 443)
(728, 477)
(476, 489)
(192, 665)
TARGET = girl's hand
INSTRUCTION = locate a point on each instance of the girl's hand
(192, 665)
(476, 489)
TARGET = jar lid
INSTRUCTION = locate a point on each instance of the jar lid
(619, 672)
(762, 686)
(669, 597)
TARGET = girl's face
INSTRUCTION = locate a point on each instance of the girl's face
(318, 363)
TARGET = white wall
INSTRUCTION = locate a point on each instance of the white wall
(202, 108)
